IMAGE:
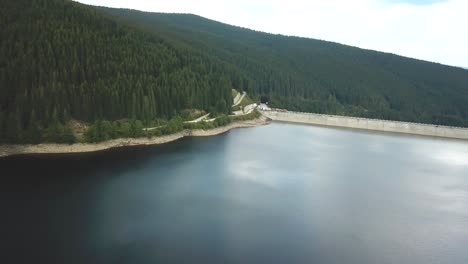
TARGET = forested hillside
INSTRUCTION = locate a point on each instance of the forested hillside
(319, 76)
(62, 60)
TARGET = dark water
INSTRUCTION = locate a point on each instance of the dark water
(277, 194)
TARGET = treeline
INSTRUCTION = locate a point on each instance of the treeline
(324, 77)
(106, 130)
(61, 60)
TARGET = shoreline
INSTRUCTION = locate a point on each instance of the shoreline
(51, 148)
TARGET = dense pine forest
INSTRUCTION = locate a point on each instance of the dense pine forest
(63, 61)
(318, 76)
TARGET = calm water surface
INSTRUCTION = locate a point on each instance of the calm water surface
(277, 194)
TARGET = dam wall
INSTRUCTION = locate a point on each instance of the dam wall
(368, 124)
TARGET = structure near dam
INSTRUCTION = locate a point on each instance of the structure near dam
(368, 124)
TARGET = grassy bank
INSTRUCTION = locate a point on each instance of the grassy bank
(154, 138)
(105, 130)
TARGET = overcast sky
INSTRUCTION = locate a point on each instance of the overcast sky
(434, 30)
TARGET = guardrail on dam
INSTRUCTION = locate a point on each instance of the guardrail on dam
(368, 124)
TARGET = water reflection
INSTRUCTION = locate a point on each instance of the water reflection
(277, 194)
(453, 156)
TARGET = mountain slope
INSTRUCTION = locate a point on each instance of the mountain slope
(319, 76)
(62, 60)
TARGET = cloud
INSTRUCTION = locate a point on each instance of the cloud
(424, 29)
(416, 2)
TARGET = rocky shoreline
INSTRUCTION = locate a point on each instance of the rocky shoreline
(10, 150)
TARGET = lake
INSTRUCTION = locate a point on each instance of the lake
(281, 193)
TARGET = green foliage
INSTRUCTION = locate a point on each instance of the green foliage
(56, 133)
(318, 76)
(222, 120)
(188, 115)
(253, 115)
(234, 93)
(105, 130)
(61, 60)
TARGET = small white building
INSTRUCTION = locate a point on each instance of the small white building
(264, 107)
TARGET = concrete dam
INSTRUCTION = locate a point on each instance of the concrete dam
(368, 124)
